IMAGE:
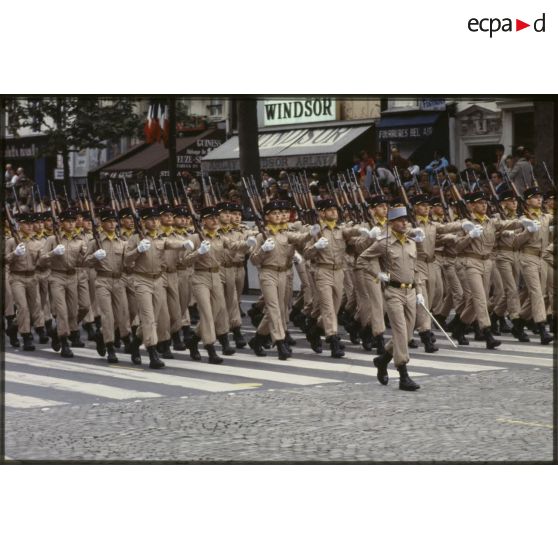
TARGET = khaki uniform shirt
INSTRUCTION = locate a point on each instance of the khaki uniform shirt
(73, 256)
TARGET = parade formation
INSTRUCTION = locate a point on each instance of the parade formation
(159, 270)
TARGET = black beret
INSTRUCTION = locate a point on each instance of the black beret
(235, 207)
(67, 215)
(326, 204)
(507, 195)
(165, 208)
(24, 217)
(550, 195)
(125, 212)
(419, 198)
(472, 197)
(376, 200)
(84, 213)
(149, 212)
(46, 215)
(222, 206)
(181, 211)
(208, 211)
(435, 200)
(530, 192)
(272, 205)
(286, 205)
(106, 214)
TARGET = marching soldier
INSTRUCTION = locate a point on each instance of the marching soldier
(127, 229)
(42, 273)
(107, 257)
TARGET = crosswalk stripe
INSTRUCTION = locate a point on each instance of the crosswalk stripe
(98, 390)
(134, 374)
(509, 344)
(27, 402)
(226, 370)
(493, 356)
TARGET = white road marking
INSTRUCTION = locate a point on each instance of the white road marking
(27, 402)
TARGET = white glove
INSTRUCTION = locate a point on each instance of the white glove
(417, 234)
(298, 259)
(508, 233)
(420, 299)
(534, 227)
(20, 250)
(204, 248)
(551, 229)
(321, 243)
(188, 245)
(315, 229)
(251, 241)
(383, 277)
(477, 232)
(374, 232)
(100, 254)
(364, 231)
(59, 250)
(467, 226)
(144, 245)
(268, 245)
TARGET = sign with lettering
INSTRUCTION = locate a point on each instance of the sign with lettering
(432, 104)
(277, 112)
(405, 133)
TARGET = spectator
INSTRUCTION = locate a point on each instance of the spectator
(8, 174)
(500, 162)
(397, 161)
(438, 163)
(414, 169)
(521, 171)
(497, 180)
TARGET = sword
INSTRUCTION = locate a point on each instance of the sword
(438, 325)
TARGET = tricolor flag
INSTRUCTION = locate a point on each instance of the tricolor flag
(156, 126)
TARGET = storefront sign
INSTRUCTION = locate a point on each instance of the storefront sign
(190, 158)
(277, 112)
(432, 104)
(404, 133)
(20, 151)
(58, 174)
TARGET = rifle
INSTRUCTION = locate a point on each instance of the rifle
(257, 215)
(520, 200)
(448, 210)
(93, 218)
(54, 206)
(399, 185)
(312, 211)
(195, 216)
(12, 224)
(137, 221)
(461, 205)
(206, 193)
(215, 198)
(41, 205)
(548, 175)
(418, 189)
(535, 183)
(68, 205)
(495, 197)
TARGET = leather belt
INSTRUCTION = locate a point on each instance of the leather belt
(24, 273)
(426, 258)
(531, 251)
(65, 271)
(507, 249)
(109, 274)
(234, 264)
(276, 267)
(331, 267)
(207, 269)
(398, 285)
(476, 256)
(148, 275)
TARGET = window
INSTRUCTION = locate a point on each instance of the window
(402, 104)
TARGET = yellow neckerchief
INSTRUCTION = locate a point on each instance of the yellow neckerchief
(26, 237)
(480, 218)
(111, 235)
(69, 235)
(224, 229)
(510, 214)
(78, 230)
(424, 220)
(127, 232)
(285, 226)
(210, 234)
(191, 230)
(402, 238)
(167, 230)
(534, 211)
(39, 235)
(381, 222)
(330, 224)
(179, 230)
(154, 233)
(274, 229)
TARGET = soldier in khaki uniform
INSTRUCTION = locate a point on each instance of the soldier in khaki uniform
(145, 256)
(531, 244)
(207, 258)
(127, 229)
(64, 258)
(22, 260)
(476, 249)
(107, 256)
(85, 302)
(396, 255)
(9, 308)
(42, 277)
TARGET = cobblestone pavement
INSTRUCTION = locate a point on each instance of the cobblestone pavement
(497, 416)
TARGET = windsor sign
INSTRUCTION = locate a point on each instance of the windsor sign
(298, 111)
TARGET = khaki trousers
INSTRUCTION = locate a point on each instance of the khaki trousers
(453, 294)
(370, 301)
(150, 298)
(228, 278)
(496, 289)
(508, 268)
(208, 292)
(478, 273)
(25, 291)
(550, 305)
(273, 285)
(42, 276)
(185, 293)
(425, 273)
(130, 289)
(329, 286)
(531, 270)
(401, 308)
(9, 309)
(436, 294)
(113, 307)
(305, 287)
(462, 276)
(170, 317)
(85, 311)
(63, 291)
(350, 291)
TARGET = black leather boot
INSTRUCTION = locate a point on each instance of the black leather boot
(135, 350)
(48, 327)
(65, 348)
(282, 350)
(405, 383)
(117, 342)
(504, 326)
(353, 329)
(380, 344)
(28, 342)
(441, 320)
(300, 321)
(193, 348)
(76, 341)
(459, 332)
(111, 355)
(550, 320)
(256, 345)
(127, 340)
(381, 362)
(287, 347)
(495, 324)
(214, 358)
(479, 335)
(289, 340)
(426, 339)
(314, 339)
(54, 340)
(226, 348)
(154, 360)
(491, 343)
(546, 338)
(336, 351)
(266, 341)
(100, 344)
(366, 336)
(164, 349)
(238, 338)
(88, 328)
(177, 343)
(187, 334)
(412, 344)
(518, 332)
(43, 337)
(11, 331)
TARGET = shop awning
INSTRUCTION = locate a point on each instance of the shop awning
(299, 148)
(401, 127)
(153, 157)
